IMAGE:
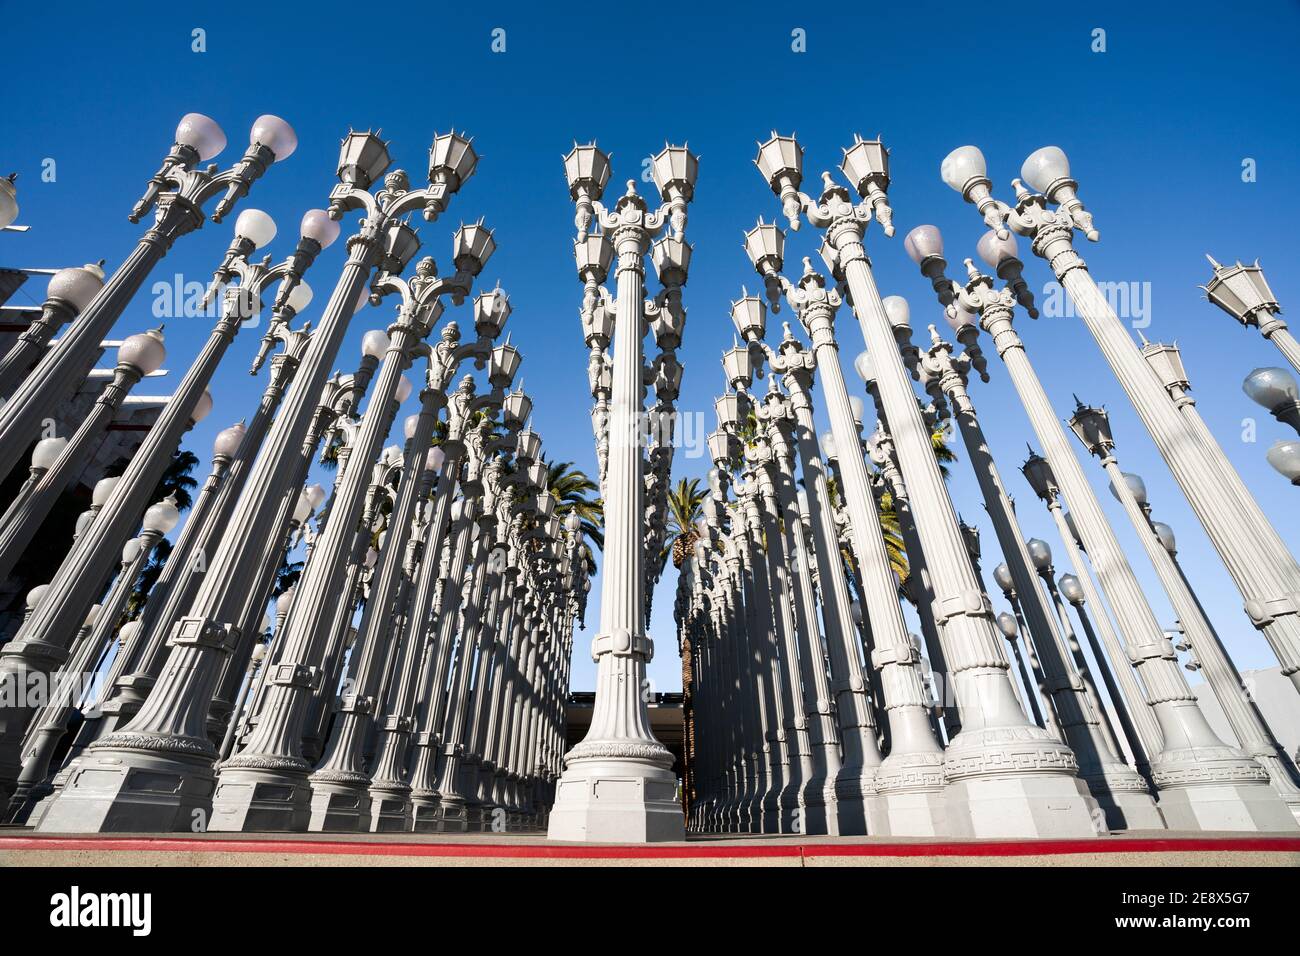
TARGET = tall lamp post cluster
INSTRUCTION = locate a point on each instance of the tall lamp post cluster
(415, 675)
(816, 713)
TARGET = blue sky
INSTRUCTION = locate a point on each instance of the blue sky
(1157, 128)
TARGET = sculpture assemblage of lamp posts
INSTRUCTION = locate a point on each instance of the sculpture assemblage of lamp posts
(1092, 427)
(786, 419)
(169, 735)
(1073, 709)
(620, 748)
(1261, 566)
(987, 791)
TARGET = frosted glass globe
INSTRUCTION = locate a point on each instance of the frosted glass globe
(962, 165)
(202, 133)
(275, 134)
(1045, 166)
(317, 224)
(255, 226)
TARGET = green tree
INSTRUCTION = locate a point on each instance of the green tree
(573, 492)
(684, 501)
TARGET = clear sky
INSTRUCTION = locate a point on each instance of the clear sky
(1157, 128)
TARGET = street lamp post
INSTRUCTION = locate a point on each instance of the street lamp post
(620, 754)
(909, 781)
(987, 792)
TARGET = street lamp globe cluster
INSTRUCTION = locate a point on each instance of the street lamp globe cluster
(390, 649)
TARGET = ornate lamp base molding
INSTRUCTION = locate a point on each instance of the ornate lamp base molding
(1218, 788)
(390, 808)
(1016, 782)
(616, 800)
(340, 803)
(819, 807)
(911, 791)
(261, 799)
(424, 811)
(1123, 796)
(452, 815)
(132, 791)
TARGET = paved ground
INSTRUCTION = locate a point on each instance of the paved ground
(19, 847)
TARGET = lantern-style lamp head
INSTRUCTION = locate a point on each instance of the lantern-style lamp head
(1002, 577)
(1039, 474)
(749, 316)
(1092, 427)
(780, 158)
(1242, 292)
(452, 160)
(586, 168)
(363, 160)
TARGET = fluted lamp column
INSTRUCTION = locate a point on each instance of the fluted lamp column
(617, 785)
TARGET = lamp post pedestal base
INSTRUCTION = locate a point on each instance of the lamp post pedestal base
(452, 815)
(390, 808)
(1124, 798)
(424, 811)
(262, 799)
(340, 802)
(116, 790)
(911, 792)
(1016, 782)
(1218, 789)
(616, 800)
(819, 807)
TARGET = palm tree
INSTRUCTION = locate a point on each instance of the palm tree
(177, 480)
(572, 490)
(684, 502)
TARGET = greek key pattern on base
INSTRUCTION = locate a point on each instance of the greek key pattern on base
(1205, 765)
(914, 772)
(1117, 781)
(1008, 750)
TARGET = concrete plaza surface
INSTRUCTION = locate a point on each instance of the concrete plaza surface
(19, 848)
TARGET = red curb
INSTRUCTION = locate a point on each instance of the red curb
(614, 852)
